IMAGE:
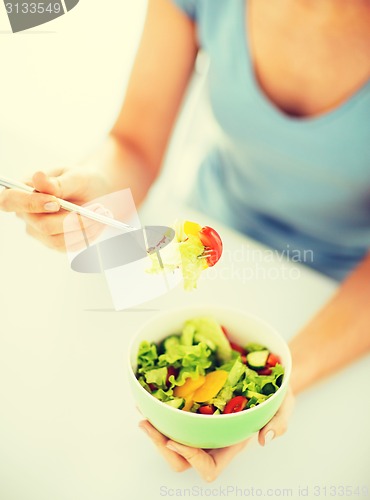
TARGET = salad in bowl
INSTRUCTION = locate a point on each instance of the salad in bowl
(203, 371)
(208, 376)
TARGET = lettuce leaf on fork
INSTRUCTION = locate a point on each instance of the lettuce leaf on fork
(185, 253)
(192, 262)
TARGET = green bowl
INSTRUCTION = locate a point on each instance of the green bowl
(207, 431)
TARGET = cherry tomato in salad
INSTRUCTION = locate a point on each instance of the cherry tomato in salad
(206, 409)
(239, 348)
(243, 358)
(264, 371)
(213, 245)
(171, 371)
(236, 404)
(226, 333)
(272, 360)
(233, 345)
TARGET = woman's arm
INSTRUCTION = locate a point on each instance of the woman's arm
(160, 75)
(133, 153)
(337, 335)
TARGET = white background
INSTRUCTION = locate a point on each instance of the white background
(62, 85)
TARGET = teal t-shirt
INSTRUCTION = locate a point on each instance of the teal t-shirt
(295, 184)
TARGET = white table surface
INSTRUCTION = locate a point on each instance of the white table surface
(68, 425)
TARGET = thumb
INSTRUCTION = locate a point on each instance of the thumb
(278, 425)
(61, 186)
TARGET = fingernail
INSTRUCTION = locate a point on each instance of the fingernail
(269, 436)
(100, 211)
(51, 206)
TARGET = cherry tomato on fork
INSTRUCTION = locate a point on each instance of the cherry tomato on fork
(212, 244)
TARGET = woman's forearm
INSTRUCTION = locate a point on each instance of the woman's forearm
(337, 335)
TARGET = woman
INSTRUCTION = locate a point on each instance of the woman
(289, 88)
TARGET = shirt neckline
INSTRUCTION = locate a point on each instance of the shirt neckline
(269, 105)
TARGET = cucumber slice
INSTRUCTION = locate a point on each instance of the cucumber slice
(257, 359)
(176, 403)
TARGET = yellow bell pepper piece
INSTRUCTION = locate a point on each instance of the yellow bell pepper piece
(189, 387)
(191, 228)
(212, 385)
(188, 402)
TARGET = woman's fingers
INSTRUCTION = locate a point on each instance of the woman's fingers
(57, 224)
(223, 456)
(72, 241)
(14, 200)
(278, 425)
(208, 464)
(65, 184)
(65, 229)
(178, 463)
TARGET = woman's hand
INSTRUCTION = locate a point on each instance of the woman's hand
(210, 463)
(41, 211)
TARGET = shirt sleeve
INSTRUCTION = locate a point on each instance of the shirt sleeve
(188, 6)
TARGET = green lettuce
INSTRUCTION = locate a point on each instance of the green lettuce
(208, 329)
(163, 395)
(236, 372)
(254, 347)
(264, 385)
(147, 356)
(156, 376)
(187, 335)
(225, 394)
(191, 265)
(192, 359)
(199, 349)
(181, 254)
